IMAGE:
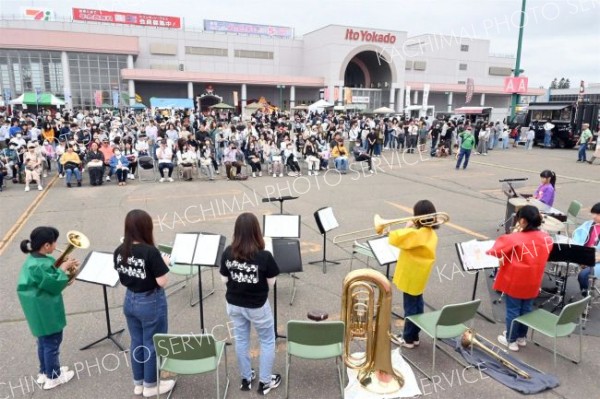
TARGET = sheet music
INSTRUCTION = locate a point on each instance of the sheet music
(183, 248)
(473, 254)
(383, 251)
(268, 244)
(328, 220)
(207, 249)
(282, 226)
(99, 268)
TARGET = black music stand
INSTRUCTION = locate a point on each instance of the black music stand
(98, 268)
(486, 262)
(199, 249)
(286, 252)
(326, 222)
(281, 201)
(570, 253)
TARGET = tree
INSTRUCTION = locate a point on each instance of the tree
(567, 84)
(554, 84)
(561, 83)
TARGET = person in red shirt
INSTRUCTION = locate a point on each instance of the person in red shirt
(523, 256)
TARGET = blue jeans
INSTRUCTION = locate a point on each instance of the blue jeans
(584, 276)
(413, 304)
(71, 172)
(341, 163)
(514, 308)
(466, 154)
(262, 318)
(547, 138)
(581, 155)
(48, 352)
(146, 314)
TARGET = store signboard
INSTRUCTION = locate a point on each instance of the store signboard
(248, 29)
(126, 18)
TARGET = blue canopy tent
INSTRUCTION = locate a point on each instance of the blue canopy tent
(173, 103)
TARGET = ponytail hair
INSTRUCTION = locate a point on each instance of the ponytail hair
(549, 174)
(38, 238)
(533, 217)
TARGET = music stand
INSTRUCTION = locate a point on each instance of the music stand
(472, 257)
(280, 199)
(570, 253)
(386, 255)
(281, 226)
(98, 268)
(326, 222)
(198, 249)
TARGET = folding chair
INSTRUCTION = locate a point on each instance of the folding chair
(572, 212)
(190, 354)
(554, 326)
(443, 324)
(316, 341)
(146, 165)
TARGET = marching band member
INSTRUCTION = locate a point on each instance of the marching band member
(418, 246)
(523, 256)
(249, 272)
(588, 234)
(545, 192)
(144, 272)
(40, 289)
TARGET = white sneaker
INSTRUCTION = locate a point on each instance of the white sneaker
(316, 173)
(60, 175)
(512, 346)
(131, 176)
(171, 179)
(41, 377)
(371, 171)
(107, 178)
(138, 389)
(45, 175)
(253, 174)
(274, 174)
(522, 341)
(162, 179)
(281, 175)
(26, 188)
(164, 387)
(40, 188)
(62, 379)
(259, 174)
(309, 173)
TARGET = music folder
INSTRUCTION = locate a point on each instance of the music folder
(281, 226)
(286, 252)
(472, 255)
(573, 253)
(383, 251)
(99, 268)
(200, 249)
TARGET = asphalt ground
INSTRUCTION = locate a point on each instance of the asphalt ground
(472, 197)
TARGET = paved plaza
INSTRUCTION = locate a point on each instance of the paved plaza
(472, 197)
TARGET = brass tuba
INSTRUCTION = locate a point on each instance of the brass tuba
(366, 312)
(77, 240)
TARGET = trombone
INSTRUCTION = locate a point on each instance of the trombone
(383, 226)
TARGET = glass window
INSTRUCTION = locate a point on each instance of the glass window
(464, 47)
(462, 67)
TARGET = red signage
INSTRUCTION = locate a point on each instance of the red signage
(369, 36)
(516, 85)
(117, 17)
(470, 90)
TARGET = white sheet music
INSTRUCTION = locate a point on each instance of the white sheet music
(268, 244)
(183, 248)
(328, 220)
(383, 251)
(207, 249)
(473, 254)
(99, 269)
(282, 226)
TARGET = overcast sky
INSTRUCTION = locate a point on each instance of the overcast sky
(562, 37)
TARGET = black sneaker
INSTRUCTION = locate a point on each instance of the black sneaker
(247, 385)
(264, 389)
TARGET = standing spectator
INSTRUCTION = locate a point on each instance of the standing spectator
(548, 126)
(466, 145)
(596, 153)
(412, 137)
(585, 137)
(530, 138)
(484, 136)
(371, 141)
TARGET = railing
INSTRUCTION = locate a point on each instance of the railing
(502, 55)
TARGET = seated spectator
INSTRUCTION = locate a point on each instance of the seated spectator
(311, 155)
(207, 160)
(33, 166)
(10, 158)
(107, 151)
(275, 160)
(49, 156)
(3, 172)
(340, 156)
(231, 156)
(119, 163)
(253, 158)
(71, 164)
(95, 165)
(588, 234)
(164, 155)
(187, 160)
(360, 155)
(291, 160)
(142, 146)
(132, 158)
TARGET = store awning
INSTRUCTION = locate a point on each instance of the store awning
(534, 107)
(178, 103)
(472, 110)
(43, 99)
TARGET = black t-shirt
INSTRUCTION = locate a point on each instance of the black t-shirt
(141, 269)
(247, 285)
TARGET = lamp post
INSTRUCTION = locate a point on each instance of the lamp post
(281, 87)
(517, 71)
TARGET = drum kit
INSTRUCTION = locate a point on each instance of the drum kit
(552, 222)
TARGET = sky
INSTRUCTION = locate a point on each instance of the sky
(561, 37)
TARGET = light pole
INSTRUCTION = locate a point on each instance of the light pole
(281, 87)
(517, 72)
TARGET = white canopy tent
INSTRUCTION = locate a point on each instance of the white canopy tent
(319, 106)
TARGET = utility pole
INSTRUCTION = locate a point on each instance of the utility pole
(516, 97)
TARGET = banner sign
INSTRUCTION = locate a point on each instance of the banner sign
(470, 90)
(248, 29)
(126, 18)
(98, 98)
(515, 85)
(407, 97)
(115, 98)
(426, 88)
(38, 14)
(360, 99)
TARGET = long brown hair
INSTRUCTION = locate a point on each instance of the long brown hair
(138, 227)
(247, 238)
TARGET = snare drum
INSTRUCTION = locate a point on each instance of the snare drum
(551, 225)
(518, 203)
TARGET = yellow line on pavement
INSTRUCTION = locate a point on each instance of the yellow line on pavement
(535, 171)
(449, 224)
(165, 197)
(14, 230)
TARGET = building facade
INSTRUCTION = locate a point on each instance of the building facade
(91, 63)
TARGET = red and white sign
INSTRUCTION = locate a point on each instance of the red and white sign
(470, 90)
(516, 85)
(126, 18)
(369, 36)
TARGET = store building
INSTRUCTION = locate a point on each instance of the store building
(90, 63)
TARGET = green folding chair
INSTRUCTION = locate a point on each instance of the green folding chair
(443, 324)
(188, 272)
(554, 326)
(572, 212)
(190, 354)
(317, 341)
